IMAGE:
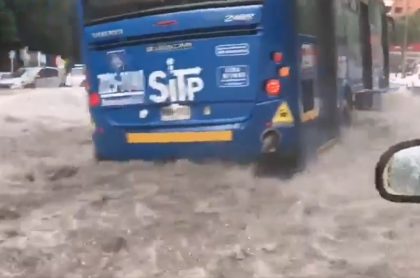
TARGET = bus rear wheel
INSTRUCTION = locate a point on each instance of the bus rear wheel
(280, 166)
(97, 156)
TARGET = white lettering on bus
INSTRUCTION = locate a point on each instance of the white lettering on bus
(183, 84)
(239, 17)
(103, 34)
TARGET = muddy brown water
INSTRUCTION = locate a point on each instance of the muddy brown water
(63, 215)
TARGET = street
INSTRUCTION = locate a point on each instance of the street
(63, 215)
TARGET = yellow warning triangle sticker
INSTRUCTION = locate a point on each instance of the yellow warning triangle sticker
(283, 115)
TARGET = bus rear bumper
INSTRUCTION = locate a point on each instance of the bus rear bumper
(240, 142)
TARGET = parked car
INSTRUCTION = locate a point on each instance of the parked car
(4, 74)
(32, 77)
(413, 83)
(76, 77)
(397, 80)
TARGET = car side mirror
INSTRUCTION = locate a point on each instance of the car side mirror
(397, 174)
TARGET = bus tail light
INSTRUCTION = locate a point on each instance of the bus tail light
(273, 87)
(277, 57)
(94, 100)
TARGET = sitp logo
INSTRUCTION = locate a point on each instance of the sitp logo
(175, 84)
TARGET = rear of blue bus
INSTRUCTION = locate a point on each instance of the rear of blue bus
(191, 79)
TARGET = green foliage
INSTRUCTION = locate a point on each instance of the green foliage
(44, 25)
(8, 30)
(413, 29)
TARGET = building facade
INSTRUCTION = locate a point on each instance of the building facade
(404, 7)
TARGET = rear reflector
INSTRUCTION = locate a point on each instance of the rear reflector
(273, 87)
(284, 72)
(166, 23)
(94, 100)
(179, 137)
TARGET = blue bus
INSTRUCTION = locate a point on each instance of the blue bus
(229, 79)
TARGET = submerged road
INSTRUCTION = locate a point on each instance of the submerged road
(63, 215)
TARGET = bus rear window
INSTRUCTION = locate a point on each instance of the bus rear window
(104, 10)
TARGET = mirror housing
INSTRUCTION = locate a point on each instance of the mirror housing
(397, 173)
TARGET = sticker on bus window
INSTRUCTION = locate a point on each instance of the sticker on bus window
(117, 59)
(240, 49)
(119, 84)
(233, 76)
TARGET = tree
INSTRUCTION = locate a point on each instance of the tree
(8, 31)
(45, 25)
(413, 29)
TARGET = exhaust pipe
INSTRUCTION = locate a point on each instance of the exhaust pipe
(270, 142)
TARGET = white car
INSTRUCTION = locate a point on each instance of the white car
(414, 85)
(397, 80)
(32, 77)
(3, 74)
(76, 77)
(413, 80)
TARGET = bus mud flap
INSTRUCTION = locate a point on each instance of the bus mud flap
(368, 101)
